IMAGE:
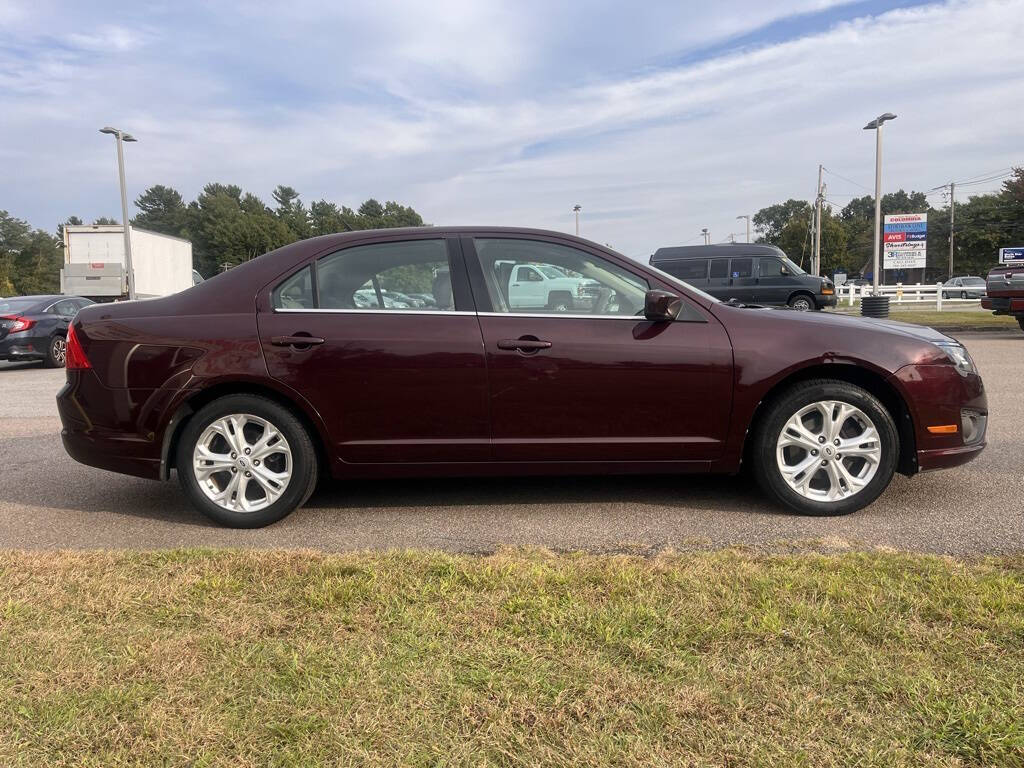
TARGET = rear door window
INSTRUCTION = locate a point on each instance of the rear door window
(691, 269)
(402, 276)
(741, 268)
(296, 292)
(719, 268)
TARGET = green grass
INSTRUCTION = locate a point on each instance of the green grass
(967, 318)
(527, 658)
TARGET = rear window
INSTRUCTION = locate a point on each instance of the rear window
(8, 306)
(692, 269)
(719, 268)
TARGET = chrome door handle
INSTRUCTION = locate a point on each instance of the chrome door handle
(298, 340)
(524, 345)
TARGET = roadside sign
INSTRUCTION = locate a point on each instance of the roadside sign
(1011, 255)
(904, 241)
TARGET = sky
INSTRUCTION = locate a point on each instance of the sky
(658, 118)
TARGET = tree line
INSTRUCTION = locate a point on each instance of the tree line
(983, 225)
(226, 226)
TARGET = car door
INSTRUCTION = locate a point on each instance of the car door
(774, 283)
(742, 280)
(393, 383)
(601, 383)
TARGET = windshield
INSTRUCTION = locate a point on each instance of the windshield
(16, 305)
(793, 268)
(672, 279)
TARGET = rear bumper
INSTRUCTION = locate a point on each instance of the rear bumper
(113, 446)
(19, 347)
(1003, 305)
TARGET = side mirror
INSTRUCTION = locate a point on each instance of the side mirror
(784, 270)
(662, 306)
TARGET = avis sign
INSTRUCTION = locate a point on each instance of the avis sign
(905, 241)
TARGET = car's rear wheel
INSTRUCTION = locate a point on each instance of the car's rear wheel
(56, 353)
(825, 447)
(1020, 321)
(801, 302)
(945, 295)
(246, 461)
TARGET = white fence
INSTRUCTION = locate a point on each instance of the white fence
(918, 293)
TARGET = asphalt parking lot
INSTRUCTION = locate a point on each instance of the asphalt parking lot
(49, 501)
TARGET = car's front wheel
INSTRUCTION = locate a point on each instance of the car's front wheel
(825, 447)
(246, 461)
(801, 302)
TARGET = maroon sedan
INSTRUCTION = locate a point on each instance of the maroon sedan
(469, 351)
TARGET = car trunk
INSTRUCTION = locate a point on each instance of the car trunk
(1006, 280)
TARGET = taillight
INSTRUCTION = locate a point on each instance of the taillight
(19, 323)
(75, 359)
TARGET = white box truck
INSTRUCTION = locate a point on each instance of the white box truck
(94, 263)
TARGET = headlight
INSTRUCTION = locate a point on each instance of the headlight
(959, 357)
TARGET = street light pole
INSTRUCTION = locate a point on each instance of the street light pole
(121, 137)
(576, 209)
(707, 236)
(876, 126)
(745, 216)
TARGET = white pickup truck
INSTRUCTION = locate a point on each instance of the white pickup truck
(535, 286)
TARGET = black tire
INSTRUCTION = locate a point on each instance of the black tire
(303, 456)
(777, 413)
(945, 295)
(963, 294)
(56, 353)
(560, 301)
(802, 302)
(1020, 321)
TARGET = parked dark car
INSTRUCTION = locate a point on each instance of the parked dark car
(256, 382)
(34, 327)
(746, 273)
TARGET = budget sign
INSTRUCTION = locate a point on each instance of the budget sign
(904, 241)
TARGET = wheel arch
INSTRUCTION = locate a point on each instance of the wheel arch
(196, 400)
(801, 292)
(868, 379)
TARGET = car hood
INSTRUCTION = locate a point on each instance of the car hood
(848, 322)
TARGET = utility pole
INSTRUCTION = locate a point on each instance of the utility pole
(817, 225)
(745, 216)
(952, 219)
(707, 236)
(576, 209)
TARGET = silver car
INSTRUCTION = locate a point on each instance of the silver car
(968, 287)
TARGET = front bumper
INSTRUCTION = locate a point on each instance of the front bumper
(938, 395)
(822, 301)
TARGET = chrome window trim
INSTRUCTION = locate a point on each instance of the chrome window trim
(566, 315)
(322, 311)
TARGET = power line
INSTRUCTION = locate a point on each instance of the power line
(844, 178)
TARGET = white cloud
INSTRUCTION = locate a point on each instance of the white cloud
(501, 113)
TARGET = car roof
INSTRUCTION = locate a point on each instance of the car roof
(42, 298)
(719, 250)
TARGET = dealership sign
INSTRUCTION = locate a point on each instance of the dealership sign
(1011, 255)
(905, 241)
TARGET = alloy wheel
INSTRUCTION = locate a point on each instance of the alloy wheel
(59, 350)
(242, 462)
(828, 450)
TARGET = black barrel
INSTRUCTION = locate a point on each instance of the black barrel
(874, 306)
